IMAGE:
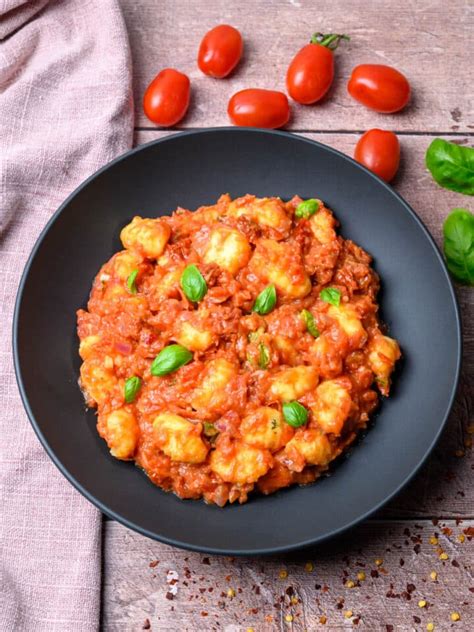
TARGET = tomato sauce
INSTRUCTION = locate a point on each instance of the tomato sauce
(218, 426)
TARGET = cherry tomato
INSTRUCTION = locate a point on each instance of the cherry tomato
(167, 97)
(220, 51)
(259, 108)
(379, 151)
(311, 71)
(381, 88)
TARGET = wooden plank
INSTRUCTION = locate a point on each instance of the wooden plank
(442, 488)
(426, 40)
(152, 586)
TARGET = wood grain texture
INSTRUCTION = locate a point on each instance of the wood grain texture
(426, 40)
(443, 487)
(152, 586)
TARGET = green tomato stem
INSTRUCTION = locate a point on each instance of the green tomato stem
(328, 40)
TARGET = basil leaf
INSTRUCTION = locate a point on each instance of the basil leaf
(263, 356)
(265, 301)
(310, 324)
(451, 165)
(193, 283)
(331, 295)
(131, 281)
(307, 208)
(458, 231)
(170, 359)
(295, 414)
(132, 386)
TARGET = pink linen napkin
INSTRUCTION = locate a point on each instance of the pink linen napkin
(65, 110)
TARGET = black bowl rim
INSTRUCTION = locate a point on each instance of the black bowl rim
(178, 543)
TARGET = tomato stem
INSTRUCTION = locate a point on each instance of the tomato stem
(329, 40)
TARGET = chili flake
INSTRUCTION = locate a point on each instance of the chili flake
(283, 574)
(361, 576)
(378, 562)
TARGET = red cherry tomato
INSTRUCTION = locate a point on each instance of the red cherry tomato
(311, 71)
(381, 88)
(379, 151)
(220, 51)
(167, 97)
(259, 108)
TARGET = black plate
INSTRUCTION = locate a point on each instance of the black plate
(191, 169)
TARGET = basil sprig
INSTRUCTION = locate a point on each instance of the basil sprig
(193, 283)
(451, 165)
(305, 209)
(458, 232)
(308, 318)
(265, 301)
(131, 281)
(331, 295)
(132, 386)
(170, 359)
(295, 414)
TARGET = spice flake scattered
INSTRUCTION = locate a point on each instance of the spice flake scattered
(350, 583)
(430, 627)
(378, 562)
(309, 567)
(434, 575)
(361, 576)
(434, 540)
(444, 556)
(288, 618)
(323, 620)
(461, 537)
(231, 593)
(283, 574)
(422, 603)
(348, 614)
(294, 600)
(459, 453)
(455, 616)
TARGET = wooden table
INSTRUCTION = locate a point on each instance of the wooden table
(417, 551)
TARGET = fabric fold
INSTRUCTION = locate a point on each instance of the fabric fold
(65, 110)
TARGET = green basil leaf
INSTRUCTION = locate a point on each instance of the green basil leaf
(265, 301)
(295, 414)
(263, 356)
(132, 386)
(331, 295)
(170, 359)
(193, 283)
(310, 324)
(131, 281)
(458, 232)
(307, 208)
(451, 165)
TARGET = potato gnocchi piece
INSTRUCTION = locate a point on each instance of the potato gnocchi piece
(265, 428)
(190, 332)
(312, 445)
(350, 323)
(125, 263)
(383, 353)
(278, 263)
(226, 247)
(179, 439)
(210, 393)
(327, 357)
(147, 237)
(122, 433)
(242, 465)
(333, 406)
(267, 212)
(87, 344)
(97, 380)
(322, 225)
(286, 349)
(293, 383)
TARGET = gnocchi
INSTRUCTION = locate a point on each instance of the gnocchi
(248, 378)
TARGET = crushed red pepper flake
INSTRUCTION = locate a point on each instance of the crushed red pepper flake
(146, 624)
(154, 563)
